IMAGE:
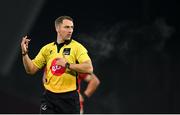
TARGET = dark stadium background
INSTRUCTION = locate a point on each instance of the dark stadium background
(134, 45)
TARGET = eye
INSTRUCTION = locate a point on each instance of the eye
(66, 26)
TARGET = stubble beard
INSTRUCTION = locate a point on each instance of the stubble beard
(67, 38)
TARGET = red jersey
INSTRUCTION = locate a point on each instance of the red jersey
(81, 77)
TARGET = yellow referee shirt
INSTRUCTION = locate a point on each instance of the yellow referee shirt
(59, 79)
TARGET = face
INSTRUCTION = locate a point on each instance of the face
(65, 29)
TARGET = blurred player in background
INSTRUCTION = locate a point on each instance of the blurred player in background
(92, 84)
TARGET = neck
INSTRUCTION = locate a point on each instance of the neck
(59, 40)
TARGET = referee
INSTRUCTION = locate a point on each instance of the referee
(62, 59)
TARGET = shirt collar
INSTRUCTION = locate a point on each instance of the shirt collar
(65, 42)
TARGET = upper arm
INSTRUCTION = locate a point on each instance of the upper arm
(34, 69)
(88, 62)
(39, 61)
(82, 54)
(88, 78)
(92, 77)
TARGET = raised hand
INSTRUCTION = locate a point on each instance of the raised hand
(24, 44)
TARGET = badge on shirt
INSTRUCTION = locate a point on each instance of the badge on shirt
(66, 51)
(56, 70)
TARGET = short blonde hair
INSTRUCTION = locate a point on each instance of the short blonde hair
(61, 18)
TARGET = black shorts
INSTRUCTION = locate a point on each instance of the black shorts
(60, 103)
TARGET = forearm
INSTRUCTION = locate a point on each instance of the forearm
(82, 68)
(92, 86)
(28, 64)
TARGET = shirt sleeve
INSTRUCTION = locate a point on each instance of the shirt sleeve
(82, 54)
(39, 61)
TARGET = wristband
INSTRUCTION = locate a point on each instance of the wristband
(23, 54)
(67, 65)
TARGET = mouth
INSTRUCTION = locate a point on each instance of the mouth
(68, 35)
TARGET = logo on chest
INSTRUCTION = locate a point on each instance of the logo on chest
(56, 69)
(66, 51)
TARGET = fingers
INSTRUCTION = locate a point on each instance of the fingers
(61, 61)
(24, 43)
(26, 40)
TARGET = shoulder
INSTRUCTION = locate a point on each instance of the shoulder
(77, 44)
(49, 45)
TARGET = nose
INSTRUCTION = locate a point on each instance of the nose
(70, 30)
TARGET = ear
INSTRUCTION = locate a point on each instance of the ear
(57, 28)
